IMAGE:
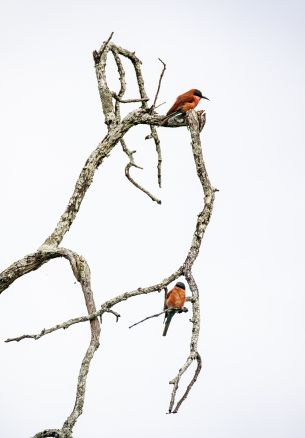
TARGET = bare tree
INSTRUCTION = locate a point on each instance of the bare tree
(50, 249)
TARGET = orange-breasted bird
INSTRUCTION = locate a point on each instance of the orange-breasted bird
(186, 101)
(174, 302)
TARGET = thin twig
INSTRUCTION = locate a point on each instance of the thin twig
(160, 104)
(116, 314)
(178, 310)
(106, 44)
(154, 134)
(97, 55)
(159, 85)
(63, 325)
(129, 177)
(116, 97)
(148, 317)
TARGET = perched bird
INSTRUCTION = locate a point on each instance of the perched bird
(186, 101)
(174, 302)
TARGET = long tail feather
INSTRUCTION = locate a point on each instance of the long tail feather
(169, 316)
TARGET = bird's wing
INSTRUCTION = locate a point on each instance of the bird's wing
(180, 101)
(173, 108)
(168, 293)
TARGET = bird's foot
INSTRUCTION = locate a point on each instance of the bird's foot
(184, 309)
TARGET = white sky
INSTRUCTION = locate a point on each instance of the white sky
(248, 58)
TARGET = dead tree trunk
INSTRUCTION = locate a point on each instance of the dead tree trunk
(50, 249)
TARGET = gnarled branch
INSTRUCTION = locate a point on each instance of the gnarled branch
(117, 128)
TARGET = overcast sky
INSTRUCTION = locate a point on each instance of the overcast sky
(248, 58)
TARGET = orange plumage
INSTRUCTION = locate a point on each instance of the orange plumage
(175, 298)
(174, 301)
(186, 101)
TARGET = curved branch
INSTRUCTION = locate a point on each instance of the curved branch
(190, 385)
(195, 123)
(82, 274)
(193, 355)
(129, 177)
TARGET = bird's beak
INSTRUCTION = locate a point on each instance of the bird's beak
(203, 97)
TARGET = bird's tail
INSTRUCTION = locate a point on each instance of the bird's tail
(169, 315)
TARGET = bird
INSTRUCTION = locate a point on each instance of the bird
(174, 302)
(186, 101)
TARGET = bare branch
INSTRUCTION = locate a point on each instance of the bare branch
(155, 136)
(104, 91)
(33, 261)
(143, 290)
(105, 307)
(194, 122)
(23, 266)
(86, 176)
(117, 315)
(84, 278)
(158, 314)
(193, 346)
(160, 104)
(137, 66)
(81, 272)
(122, 82)
(148, 317)
(118, 118)
(127, 100)
(117, 128)
(129, 177)
(190, 385)
(94, 161)
(159, 85)
(63, 325)
(97, 55)
(118, 97)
